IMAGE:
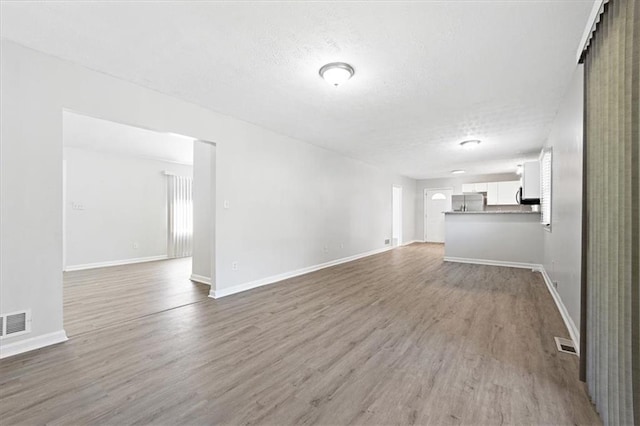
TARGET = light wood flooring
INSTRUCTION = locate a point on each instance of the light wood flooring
(397, 338)
(97, 298)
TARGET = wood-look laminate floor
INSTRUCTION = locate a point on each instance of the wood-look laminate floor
(397, 338)
(97, 298)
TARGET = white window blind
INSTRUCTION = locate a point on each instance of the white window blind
(545, 187)
(180, 212)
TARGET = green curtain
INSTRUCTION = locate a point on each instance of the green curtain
(611, 256)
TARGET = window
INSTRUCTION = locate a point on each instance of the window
(545, 188)
(180, 215)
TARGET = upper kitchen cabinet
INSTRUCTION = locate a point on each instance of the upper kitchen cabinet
(474, 187)
(507, 192)
(492, 193)
(481, 187)
(498, 193)
(531, 180)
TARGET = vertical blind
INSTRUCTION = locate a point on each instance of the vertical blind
(180, 214)
(611, 255)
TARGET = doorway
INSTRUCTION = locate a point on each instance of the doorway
(436, 202)
(128, 211)
(396, 234)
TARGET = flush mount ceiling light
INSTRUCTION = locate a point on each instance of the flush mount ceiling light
(336, 73)
(457, 172)
(471, 143)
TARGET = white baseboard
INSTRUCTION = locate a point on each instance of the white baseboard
(115, 263)
(200, 279)
(8, 349)
(574, 332)
(216, 294)
(533, 266)
(411, 242)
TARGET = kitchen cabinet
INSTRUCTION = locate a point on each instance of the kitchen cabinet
(492, 193)
(468, 187)
(531, 180)
(507, 192)
(498, 193)
(474, 187)
(481, 187)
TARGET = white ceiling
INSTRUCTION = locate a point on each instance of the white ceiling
(428, 74)
(80, 131)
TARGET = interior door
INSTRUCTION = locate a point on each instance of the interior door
(436, 202)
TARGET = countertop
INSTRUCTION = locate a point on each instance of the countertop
(494, 212)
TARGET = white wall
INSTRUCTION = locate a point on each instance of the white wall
(456, 184)
(562, 246)
(288, 199)
(204, 199)
(124, 201)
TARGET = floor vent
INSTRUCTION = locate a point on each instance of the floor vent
(565, 345)
(15, 324)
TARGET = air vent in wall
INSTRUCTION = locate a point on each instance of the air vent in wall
(565, 345)
(15, 324)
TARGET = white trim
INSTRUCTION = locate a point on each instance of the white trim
(115, 263)
(594, 18)
(411, 242)
(532, 266)
(200, 279)
(397, 242)
(26, 345)
(216, 294)
(574, 332)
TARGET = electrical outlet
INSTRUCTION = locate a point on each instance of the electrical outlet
(225, 204)
(234, 265)
(136, 246)
(341, 245)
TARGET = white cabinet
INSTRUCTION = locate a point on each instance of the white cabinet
(531, 180)
(468, 187)
(481, 187)
(507, 192)
(492, 193)
(498, 193)
(502, 193)
(474, 187)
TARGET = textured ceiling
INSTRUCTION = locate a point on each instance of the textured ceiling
(428, 74)
(80, 131)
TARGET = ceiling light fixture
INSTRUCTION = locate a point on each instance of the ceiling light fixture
(457, 172)
(336, 73)
(471, 143)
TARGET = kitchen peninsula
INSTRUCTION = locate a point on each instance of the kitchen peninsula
(505, 238)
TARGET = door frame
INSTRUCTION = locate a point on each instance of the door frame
(424, 208)
(399, 241)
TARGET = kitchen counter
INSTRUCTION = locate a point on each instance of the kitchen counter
(494, 212)
(509, 238)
